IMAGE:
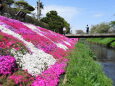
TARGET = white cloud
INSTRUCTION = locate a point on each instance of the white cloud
(66, 12)
(98, 15)
(69, 13)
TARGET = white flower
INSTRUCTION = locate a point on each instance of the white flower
(34, 29)
(67, 43)
(61, 46)
(36, 62)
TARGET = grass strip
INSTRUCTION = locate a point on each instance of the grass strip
(82, 70)
(103, 41)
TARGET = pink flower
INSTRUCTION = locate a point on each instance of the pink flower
(41, 38)
(7, 64)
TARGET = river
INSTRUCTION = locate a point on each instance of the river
(106, 56)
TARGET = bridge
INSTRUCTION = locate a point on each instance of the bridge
(90, 35)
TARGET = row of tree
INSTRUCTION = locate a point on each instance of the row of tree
(18, 9)
(103, 28)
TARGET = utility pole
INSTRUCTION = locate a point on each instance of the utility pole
(38, 10)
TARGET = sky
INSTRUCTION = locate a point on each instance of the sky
(79, 13)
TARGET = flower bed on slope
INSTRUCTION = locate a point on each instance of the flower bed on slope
(37, 50)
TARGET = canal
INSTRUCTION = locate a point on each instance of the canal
(106, 57)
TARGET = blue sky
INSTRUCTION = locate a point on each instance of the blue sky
(79, 13)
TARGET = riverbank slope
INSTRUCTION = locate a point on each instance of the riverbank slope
(31, 55)
(109, 42)
(83, 70)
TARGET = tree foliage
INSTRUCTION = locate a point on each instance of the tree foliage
(55, 22)
(112, 23)
(21, 4)
(9, 2)
(112, 27)
(30, 8)
(100, 28)
(24, 6)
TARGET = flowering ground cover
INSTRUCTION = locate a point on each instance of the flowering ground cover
(31, 55)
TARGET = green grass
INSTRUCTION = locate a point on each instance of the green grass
(82, 70)
(113, 44)
(103, 41)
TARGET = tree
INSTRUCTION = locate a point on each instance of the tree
(112, 23)
(30, 8)
(67, 26)
(24, 6)
(4, 5)
(100, 28)
(9, 2)
(112, 27)
(55, 22)
(93, 29)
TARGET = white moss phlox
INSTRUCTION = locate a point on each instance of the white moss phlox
(36, 62)
(34, 29)
(67, 43)
(61, 46)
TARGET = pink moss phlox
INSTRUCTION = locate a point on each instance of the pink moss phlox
(45, 40)
(16, 78)
(7, 64)
(50, 77)
(20, 77)
(46, 45)
(9, 42)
